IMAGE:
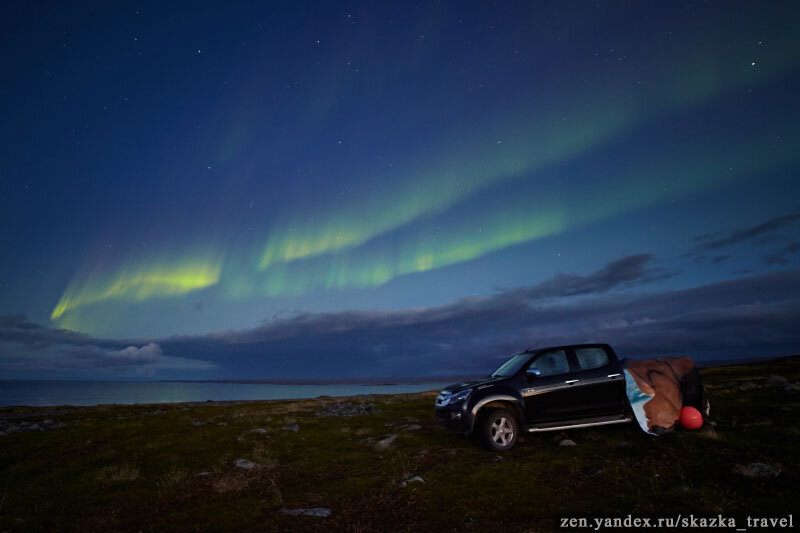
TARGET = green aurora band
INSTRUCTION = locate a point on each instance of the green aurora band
(677, 175)
(530, 140)
(335, 252)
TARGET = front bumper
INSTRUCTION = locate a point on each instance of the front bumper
(455, 417)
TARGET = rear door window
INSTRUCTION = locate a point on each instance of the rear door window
(552, 363)
(590, 358)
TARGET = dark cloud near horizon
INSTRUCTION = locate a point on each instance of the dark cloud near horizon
(778, 257)
(743, 317)
(746, 317)
(27, 348)
(632, 269)
(716, 241)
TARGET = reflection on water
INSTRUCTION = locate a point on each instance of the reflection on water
(127, 392)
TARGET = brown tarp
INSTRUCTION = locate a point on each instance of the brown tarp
(672, 382)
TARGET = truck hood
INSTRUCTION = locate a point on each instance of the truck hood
(455, 387)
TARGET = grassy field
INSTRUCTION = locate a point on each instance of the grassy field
(171, 467)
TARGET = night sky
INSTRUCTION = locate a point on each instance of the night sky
(301, 189)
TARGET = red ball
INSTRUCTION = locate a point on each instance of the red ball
(691, 417)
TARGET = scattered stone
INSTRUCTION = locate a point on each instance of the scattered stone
(346, 409)
(757, 470)
(323, 512)
(198, 423)
(414, 479)
(386, 442)
(792, 387)
(48, 422)
(497, 458)
(748, 385)
(203, 474)
(259, 431)
(222, 423)
(244, 463)
(567, 442)
(291, 427)
(777, 381)
(411, 427)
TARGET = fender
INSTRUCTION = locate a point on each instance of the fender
(492, 398)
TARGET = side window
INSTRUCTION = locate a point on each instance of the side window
(552, 363)
(589, 358)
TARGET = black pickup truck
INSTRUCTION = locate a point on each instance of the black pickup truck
(562, 387)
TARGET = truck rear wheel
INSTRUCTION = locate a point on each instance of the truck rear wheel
(499, 430)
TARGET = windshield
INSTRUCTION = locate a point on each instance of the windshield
(510, 367)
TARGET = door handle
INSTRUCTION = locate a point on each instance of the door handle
(571, 381)
(614, 375)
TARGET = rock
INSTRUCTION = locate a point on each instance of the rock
(3, 433)
(413, 479)
(35, 427)
(777, 381)
(222, 423)
(198, 423)
(48, 422)
(203, 474)
(291, 427)
(313, 511)
(259, 431)
(748, 385)
(411, 427)
(13, 428)
(386, 442)
(757, 470)
(244, 463)
(792, 387)
(567, 442)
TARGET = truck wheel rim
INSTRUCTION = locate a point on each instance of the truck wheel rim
(502, 431)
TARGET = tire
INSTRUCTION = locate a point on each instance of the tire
(499, 430)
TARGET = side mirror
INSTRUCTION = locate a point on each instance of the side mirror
(532, 373)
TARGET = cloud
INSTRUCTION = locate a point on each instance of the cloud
(737, 236)
(779, 256)
(627, 270)
(753, 316)
(749, 316)
(147, 354)
(29, 350)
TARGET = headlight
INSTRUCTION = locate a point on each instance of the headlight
(460, 396)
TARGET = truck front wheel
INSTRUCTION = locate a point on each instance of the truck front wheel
(499, 430)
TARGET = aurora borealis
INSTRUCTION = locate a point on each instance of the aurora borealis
(187, 174)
